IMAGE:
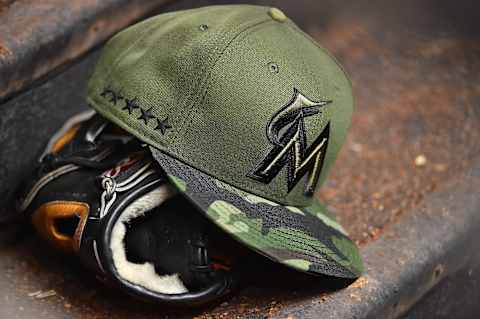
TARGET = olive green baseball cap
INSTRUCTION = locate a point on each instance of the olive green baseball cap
(245, 114)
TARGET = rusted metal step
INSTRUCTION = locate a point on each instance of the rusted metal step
(405, 185)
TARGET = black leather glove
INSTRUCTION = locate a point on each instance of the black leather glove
(98, 193)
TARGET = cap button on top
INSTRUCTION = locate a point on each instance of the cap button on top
(277, 15)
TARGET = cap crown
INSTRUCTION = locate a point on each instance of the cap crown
(238, 92)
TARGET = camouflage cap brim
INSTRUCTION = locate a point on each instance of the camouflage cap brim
(307, 239)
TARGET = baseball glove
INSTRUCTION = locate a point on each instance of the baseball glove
(98, 193)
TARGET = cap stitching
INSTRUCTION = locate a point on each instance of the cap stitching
(294, 245)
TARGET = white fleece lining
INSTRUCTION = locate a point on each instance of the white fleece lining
(143, 275)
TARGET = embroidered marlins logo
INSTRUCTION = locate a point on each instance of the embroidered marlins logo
(286, 132)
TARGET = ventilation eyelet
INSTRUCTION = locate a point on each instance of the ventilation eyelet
(273, 67)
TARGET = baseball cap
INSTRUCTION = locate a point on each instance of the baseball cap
(245, 113)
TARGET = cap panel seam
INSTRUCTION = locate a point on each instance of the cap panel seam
(309, 38)
(207, 74)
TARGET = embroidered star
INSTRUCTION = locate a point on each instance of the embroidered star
(163, 126)
(115, 97)
(130, 105)
(146, 115)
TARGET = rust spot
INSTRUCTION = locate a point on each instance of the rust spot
(359, 283)
(355, 296)
(4, 51)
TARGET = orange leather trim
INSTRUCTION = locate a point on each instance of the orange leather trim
(44, 221)
(65, 138)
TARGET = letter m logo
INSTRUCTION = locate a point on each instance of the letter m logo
(290, 148)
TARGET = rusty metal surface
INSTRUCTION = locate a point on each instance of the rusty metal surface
(415, 71)
(437, 240)
(40, 37)
(440, 303)
(404, 186)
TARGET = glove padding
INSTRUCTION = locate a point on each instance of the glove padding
(98, 193)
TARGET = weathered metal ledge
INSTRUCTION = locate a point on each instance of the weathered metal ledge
(437, 241)
(39, 38)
